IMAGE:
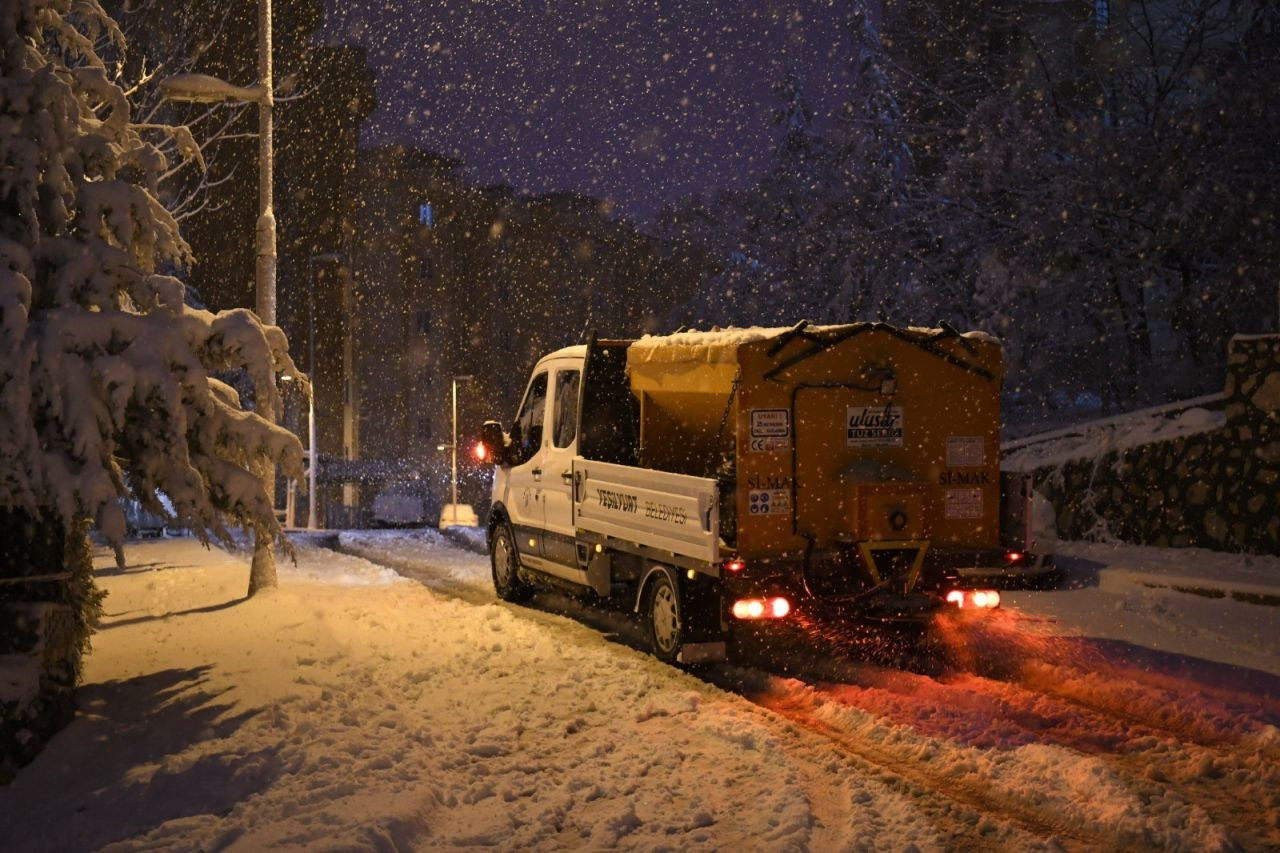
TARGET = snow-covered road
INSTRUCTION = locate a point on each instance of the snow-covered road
(354, 708)
(1063, 737)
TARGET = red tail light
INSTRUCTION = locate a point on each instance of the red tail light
(982, 599)
(734, 566)
(1014, 556)
(761, 608)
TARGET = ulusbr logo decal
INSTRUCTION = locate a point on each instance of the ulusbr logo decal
(874, 426)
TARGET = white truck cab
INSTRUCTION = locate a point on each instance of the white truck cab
(535, 487)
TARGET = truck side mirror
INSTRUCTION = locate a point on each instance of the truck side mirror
(491, 449)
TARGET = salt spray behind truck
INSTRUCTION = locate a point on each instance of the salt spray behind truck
(719, 480)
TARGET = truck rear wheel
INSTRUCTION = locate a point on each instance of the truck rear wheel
(506, 564)
(665, 630)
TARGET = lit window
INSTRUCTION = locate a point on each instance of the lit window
(426, 216)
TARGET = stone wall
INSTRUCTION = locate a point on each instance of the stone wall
(48, 603)
(38, 655)
(1218, 489)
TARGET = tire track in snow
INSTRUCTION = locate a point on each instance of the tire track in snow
(926, 784)
(1193, 765)
(1188, 749)
(1191, 750)
(1191, 734)
(1232, 787)
(1101, 672)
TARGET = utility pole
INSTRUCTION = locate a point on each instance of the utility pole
(454, 446)
(262, 571)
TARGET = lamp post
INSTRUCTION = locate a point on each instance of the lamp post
(204, 89)
(454, 446)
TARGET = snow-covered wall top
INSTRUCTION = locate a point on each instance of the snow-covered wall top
(1162, 423)
(1180, 475)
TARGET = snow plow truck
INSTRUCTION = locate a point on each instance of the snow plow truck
(715, 482)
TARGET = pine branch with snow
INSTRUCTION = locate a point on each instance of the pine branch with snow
(106, 375)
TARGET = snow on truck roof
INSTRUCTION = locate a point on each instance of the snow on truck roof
(575, 351)
(721, 345)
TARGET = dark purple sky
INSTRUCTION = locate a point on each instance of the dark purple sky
(642, 103)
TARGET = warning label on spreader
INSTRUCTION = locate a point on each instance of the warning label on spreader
(962, 503)
(769, 502)
(770, 430)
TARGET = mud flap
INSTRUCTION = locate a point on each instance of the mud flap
(599, 574)
(695, 653)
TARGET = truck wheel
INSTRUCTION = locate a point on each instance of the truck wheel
(664, 618)
(506, 577)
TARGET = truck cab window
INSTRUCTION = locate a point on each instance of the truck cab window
(566, 407)
(526, 434)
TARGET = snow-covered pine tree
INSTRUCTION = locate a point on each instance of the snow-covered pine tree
(107, 379)
(793, 198)
(876, 138)
(870, 218)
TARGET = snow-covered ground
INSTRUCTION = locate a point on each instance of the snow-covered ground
(360, 707)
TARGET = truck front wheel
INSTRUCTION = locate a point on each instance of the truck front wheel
(506, 577)
(664, 618)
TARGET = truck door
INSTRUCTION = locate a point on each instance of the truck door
(525, 476)
(557, 475)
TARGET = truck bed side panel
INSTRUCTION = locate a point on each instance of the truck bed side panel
(671, 512)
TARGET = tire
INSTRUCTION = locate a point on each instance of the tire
(506, 567)
(666, 630)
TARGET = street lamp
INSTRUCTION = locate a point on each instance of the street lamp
(201, 88)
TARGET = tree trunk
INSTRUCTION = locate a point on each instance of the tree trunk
(262, 571)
